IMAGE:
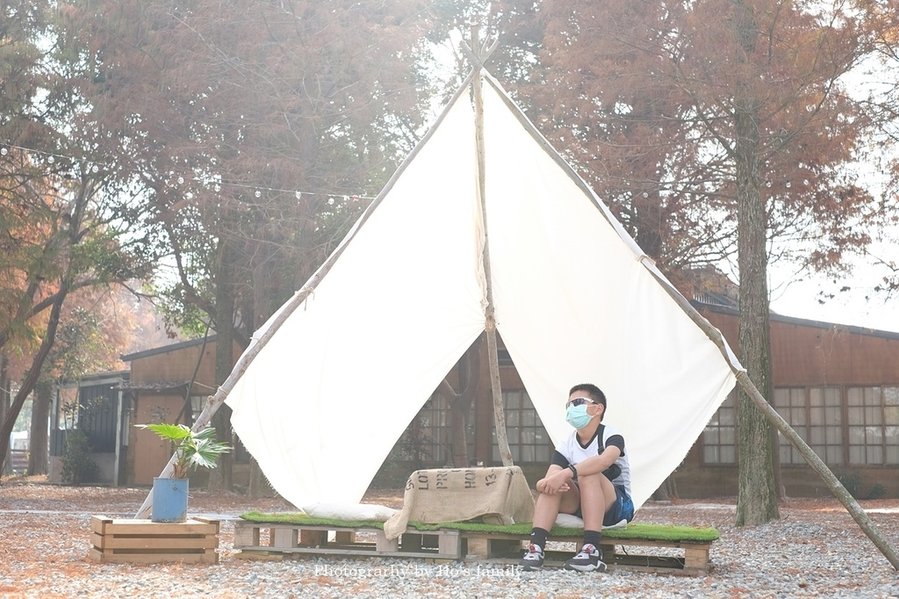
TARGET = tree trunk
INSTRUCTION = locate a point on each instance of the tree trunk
(258, 484)
(38, 457)
(757, 493)
(31, 377)
(5, 465)
(468, 368)
(222, 477)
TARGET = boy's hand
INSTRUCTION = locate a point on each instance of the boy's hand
(555, 483)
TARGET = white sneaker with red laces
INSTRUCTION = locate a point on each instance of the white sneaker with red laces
(533, 559)
(588, 559)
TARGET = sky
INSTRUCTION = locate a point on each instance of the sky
(861, 305)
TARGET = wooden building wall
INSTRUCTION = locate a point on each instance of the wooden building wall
(160, 380)
(805, 354)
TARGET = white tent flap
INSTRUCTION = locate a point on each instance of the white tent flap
(328, 396)
(324, 401)
(575, 304)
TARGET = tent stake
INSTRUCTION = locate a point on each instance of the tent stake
(499, 412)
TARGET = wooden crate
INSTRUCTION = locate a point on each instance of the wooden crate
(145, 542)
(339, 541)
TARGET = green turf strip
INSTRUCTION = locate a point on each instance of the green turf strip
(634, 530)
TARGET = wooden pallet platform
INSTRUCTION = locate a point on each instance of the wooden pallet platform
(259, 540)
(507, 549)
(330, 540)
(145, 542)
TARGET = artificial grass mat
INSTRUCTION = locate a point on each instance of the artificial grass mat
(634, 530)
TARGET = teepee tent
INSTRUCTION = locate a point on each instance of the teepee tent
(484, 227)
(576, 300)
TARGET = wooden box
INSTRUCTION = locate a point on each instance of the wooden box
(145, 542)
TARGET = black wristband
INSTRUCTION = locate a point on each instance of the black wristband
(573, 471)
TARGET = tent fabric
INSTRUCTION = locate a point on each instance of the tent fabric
(576, 300)
(575, 303)
(325, 400)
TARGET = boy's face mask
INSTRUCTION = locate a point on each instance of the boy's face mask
(577, 416)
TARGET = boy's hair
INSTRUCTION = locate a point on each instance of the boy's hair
(594, 392)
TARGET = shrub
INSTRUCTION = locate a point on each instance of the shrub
(77, 465)
(877, 491)
(852, 481)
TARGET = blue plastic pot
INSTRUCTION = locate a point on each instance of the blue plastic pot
(169, 500)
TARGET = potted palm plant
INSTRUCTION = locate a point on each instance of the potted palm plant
(193, 450)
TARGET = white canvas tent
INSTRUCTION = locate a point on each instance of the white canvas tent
(374, 333)
(332, 379)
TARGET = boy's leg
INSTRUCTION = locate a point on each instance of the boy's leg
(546, 509)
(597, 495)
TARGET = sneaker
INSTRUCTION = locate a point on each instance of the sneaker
(588, 559)
(533, 559)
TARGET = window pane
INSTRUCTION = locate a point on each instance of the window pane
(726, 416)
(834, 455)
(834, 435)
(817, 415)
(728, 455)
(874, 435)
(542, 454)
(816, 436)
(874, 454)
(856, 435)
(891, 415)
(798, 417)
(856, 454)
(854, 396)
(816, 396)
(781, 397)
(893, 454)
(872, 396)
(891, 396)
(712, 436)
(727, 435)
(710, 454)
(527, 453)
(873, 415)
(834, 415)
(528, 417)
(856, 416)
(512, 418)
(513, 399)
(891, 435)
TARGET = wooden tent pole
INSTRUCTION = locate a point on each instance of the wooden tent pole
(817, 464)
(499, 412)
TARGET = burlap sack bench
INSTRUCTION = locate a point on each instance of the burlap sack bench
(277, 535)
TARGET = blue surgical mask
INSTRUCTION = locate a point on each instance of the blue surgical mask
(577, 416)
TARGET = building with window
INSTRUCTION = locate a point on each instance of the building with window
(96, 405)
(837, 386)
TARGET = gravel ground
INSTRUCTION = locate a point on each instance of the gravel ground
(815, 550)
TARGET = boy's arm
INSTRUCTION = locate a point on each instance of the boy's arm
(598, 463)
